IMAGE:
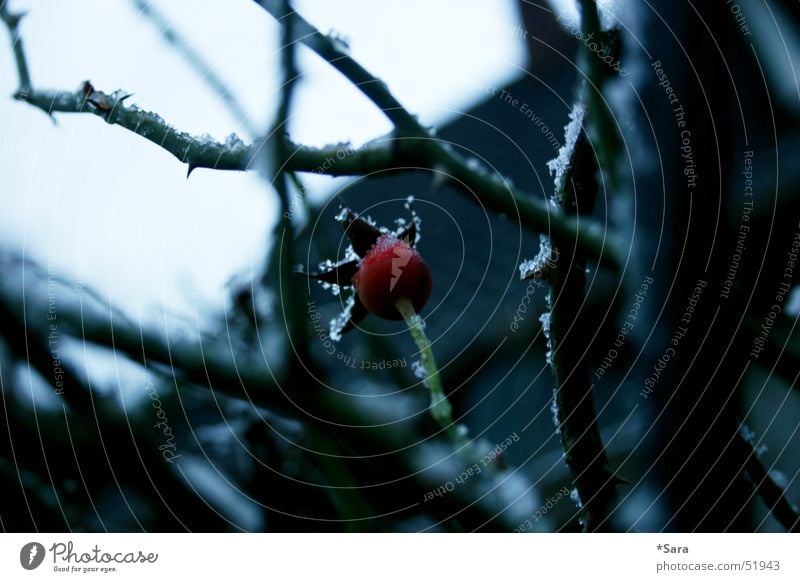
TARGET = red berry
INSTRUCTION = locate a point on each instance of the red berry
(392, 269)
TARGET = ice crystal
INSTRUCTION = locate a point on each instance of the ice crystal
(536, 266)
(576, 498)
(340, 41)
(559, 166)
(779, 478)
(338, 322)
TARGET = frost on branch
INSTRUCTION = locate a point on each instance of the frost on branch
(537, 267)
(545, 319)
(196, 151)
(418, 370)
(416, 222)
(340, 321)
(559, 167)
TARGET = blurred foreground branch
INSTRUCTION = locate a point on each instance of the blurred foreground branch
(384, 426)
(773, 495)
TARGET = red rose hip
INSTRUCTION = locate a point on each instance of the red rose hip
(392, 269)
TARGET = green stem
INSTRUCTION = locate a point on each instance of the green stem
(441, 410)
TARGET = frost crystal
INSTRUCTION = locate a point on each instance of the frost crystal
(338, 322)
(233, 142)
(748, 434)
(536, 266)
(342, 216)
(350, 254)
(554, 410)
(340, 42)
(475, 165)
(332, 287)
(418, 369)
(560, 166)
(417, 321)
(779, 478)
(793, 307)
(544, 318)
(576, 498)
(409, 205)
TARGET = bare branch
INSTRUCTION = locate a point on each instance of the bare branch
(196, 151)
(585, 455)
(492, 189)
(278, 275)
(12, 23)
(197, 62)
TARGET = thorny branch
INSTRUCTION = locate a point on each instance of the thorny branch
(576, 171)
(412, 148)
(563, 325)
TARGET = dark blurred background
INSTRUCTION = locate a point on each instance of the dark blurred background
(90, 460)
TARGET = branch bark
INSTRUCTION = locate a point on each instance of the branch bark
(576, 189)
(574, 408)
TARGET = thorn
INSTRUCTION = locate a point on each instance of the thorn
(15, 17)
(22, 95)
(192, 168)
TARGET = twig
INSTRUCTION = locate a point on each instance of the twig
(601, 129)
(12, 23)
(494, 192)
(576, 171)
(282, 256)
(197, 62)
(576, 186)
(336, 54)
(196, 151)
